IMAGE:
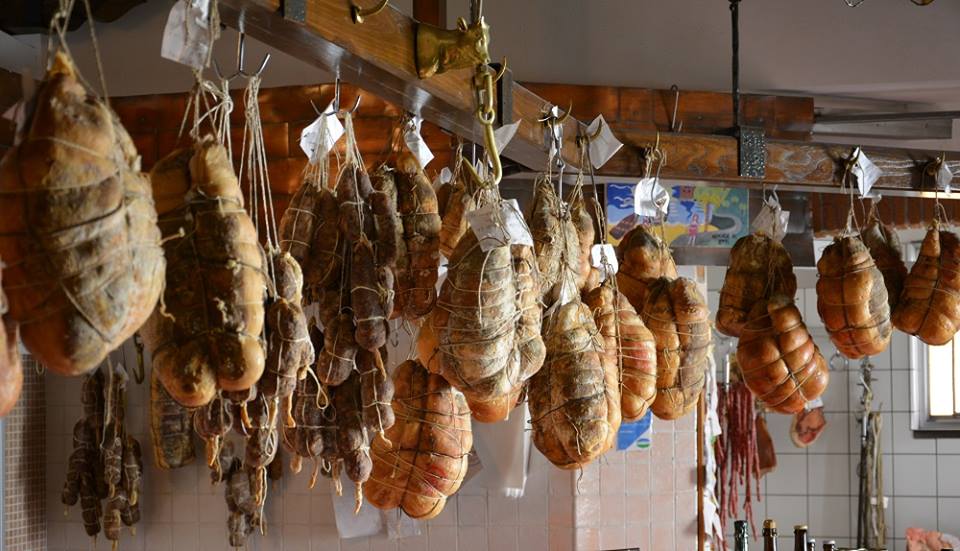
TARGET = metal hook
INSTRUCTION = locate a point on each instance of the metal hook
(358, 13)
(583, 140)
(676, 104)
(838, 361)
(503, 69)
(241, 38)
(336, 111)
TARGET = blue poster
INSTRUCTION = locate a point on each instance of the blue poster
(636, 435)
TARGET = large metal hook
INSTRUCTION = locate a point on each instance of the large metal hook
(584, 140)
(335, 107)
(676, 104)
(241, 72)
(357, 13)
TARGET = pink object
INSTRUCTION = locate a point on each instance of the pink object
(919, 539)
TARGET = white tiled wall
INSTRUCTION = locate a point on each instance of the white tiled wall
(818, 485)
(644, 499)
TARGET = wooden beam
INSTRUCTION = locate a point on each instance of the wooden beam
(433, 12)
(378, 55)
(789, 163)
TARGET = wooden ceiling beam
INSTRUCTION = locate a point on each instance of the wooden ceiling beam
(789, 163)
(378, 56)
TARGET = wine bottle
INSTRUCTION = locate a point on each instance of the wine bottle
(800, 537)
(812, 545)
(769, 535)
(830, 546)
(740, 535)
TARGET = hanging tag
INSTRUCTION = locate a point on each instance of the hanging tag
(443, 178)
(496, 225)
(552, 133)
(864, 172)
(650, 198)
(604, 146)
(814, 404)
(772, 220)
(503, 135)
(604, 258)
(415, 142)
(944, 177)
(186, 38)
(319, 138)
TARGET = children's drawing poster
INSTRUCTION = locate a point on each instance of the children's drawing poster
(697, 217)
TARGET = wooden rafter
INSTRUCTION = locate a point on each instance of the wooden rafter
(378, 56)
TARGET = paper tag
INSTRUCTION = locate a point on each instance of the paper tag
(864, 173)
(772, 220)
(443, 178)
(186, 38)
(944, 177)
(349, 525)
(552, 133)
(604, 146)
(319, 138)
(814, 404)
(604, 258)
(503, 135)
(496, 225)
(415, 142)
(650, 198)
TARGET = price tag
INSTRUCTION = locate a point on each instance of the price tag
(604, 258)
(415, 142)
(944, 177)
(772, 220)
(319, 138)
(650, 198)
(443, 178)
(604, 146)
(186, 38)
(864, 173)
(503, 135)
(496, 225)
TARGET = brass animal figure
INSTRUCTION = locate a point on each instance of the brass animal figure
(439, 50)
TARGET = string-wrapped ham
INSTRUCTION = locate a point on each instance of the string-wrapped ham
(208, 334)
(423, 459)
(675, 312)
(628, 344)
(759, 268)
(884, 245)
(780, 363)
(852, 299)
(11, 372)
(170, 425)
(574, 399)
(555, 240)
(78, 229)
(419, 212)
(643, 257)
(930, 304)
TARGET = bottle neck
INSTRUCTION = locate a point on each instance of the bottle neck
(769, 539)
(800, 540)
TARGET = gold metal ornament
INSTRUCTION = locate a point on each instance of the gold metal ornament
(357, 13)
(440, 50)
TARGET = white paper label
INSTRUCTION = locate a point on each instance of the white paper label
(503, 135)
(553, 133)
(604, 258)
(443, 178)
(944, 177)
(772, 220)
(814, 404)
(864, 173)
(415, 142)
(186, 38)
(319, 138)
(650, 198)
(496, 225)
(604, 146)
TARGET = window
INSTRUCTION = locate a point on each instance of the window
(936, 386)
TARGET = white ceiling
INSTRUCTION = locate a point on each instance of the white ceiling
(885, 49)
